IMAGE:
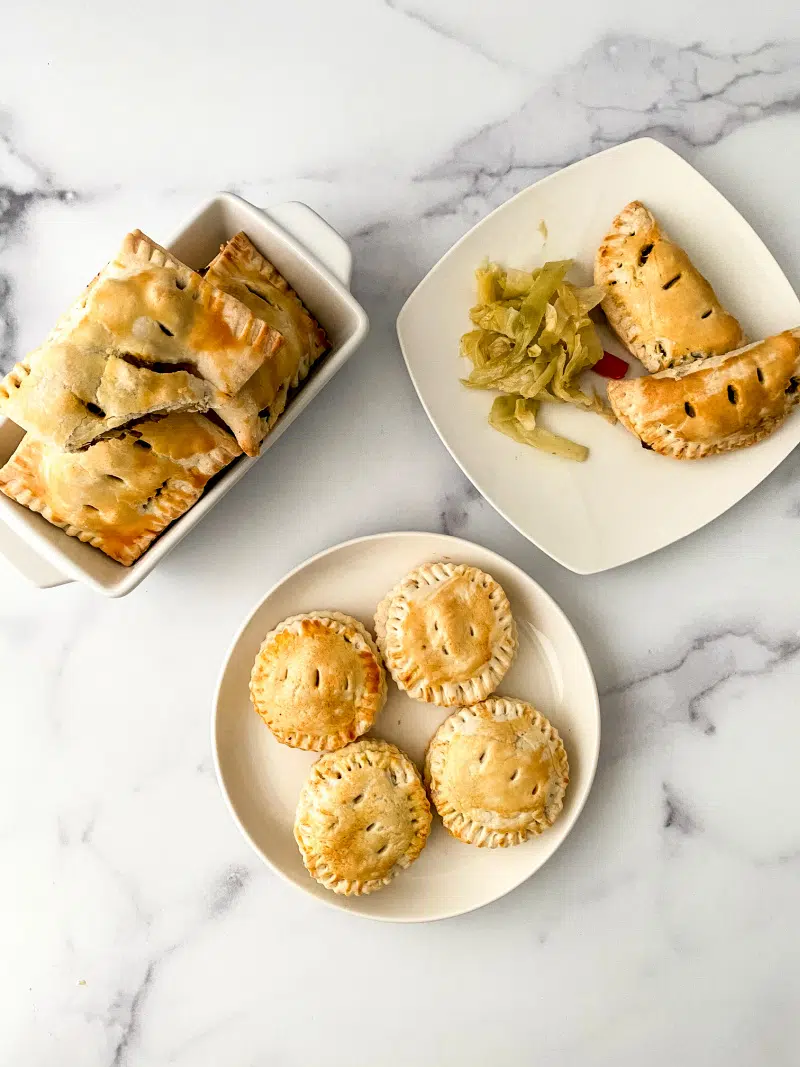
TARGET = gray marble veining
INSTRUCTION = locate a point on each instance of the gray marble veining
(137, 927)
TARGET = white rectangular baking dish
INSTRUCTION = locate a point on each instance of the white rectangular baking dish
(317, 263)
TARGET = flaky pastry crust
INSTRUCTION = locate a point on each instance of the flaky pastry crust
(497, 773)
(318, 682)
(656, 300)
(122, 492)
(362, 818)
(713, 405)
(245, 274)
(446, 634)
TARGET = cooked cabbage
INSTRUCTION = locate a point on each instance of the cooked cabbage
(516, 417)
(534, 339)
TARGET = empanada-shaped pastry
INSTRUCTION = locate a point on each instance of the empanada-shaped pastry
(149, 335)
(242, 271)
(715, 404)
(122, 492)
(656, 300)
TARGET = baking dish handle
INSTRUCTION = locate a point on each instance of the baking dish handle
(317, 236)
(31, 565)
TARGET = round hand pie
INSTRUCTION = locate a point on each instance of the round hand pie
(317, 681)
(362, 817)
(497, 772)
(446, 634)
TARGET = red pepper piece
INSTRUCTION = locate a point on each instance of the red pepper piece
(610, 366)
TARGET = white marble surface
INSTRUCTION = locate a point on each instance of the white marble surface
(136, 927)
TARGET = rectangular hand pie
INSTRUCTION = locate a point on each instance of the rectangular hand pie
(122, 492)
(659, 304)
(241, 271)
(148, 335)
(715, 404)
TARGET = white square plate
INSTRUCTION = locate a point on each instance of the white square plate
(317, 263)
(624, 502)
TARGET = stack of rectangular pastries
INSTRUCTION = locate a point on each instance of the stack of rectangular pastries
(152, 383)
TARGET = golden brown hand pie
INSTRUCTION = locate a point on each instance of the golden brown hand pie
(446, 634)
(244, 273)
(715, 404)
(317, 681)
(122, 492)
(497, 773)
(658, 303)
(148, 336)
(362, 817)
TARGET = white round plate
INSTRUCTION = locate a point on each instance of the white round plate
(261, 778)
